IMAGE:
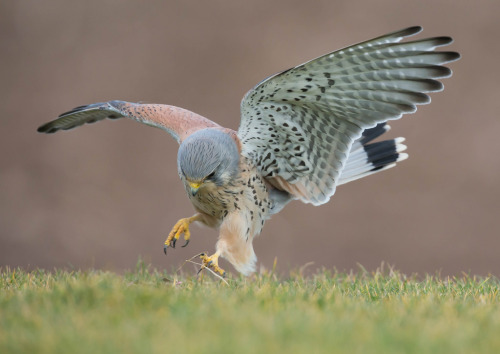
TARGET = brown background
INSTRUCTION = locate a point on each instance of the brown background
(104, 194)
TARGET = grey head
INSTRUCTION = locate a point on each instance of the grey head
(208, 156)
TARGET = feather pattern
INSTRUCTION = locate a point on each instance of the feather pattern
(300, 126)
(178, 122)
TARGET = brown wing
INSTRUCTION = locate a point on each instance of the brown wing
(178, 122)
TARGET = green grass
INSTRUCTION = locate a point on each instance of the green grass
(152, 312)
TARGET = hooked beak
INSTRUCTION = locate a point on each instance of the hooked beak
(194, 187)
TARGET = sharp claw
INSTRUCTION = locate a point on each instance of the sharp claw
(165, 249)
(174, 240)
(187, 241)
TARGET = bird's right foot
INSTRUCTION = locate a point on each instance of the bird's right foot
(181, 227)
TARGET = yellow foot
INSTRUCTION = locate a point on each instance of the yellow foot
(212, 262)
(181, 227)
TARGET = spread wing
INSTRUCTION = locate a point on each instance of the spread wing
(298, 126)
(178, 122)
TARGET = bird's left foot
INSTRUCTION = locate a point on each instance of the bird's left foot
(212, 262)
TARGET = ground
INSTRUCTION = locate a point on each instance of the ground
(148, 311)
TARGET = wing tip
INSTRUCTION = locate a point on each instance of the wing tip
(452, 56)
(397, 36)
(412, 30)
(61, 124)
(405, 32)
(47, 128)
(442, 41)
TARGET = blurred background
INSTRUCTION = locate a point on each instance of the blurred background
(103, 195)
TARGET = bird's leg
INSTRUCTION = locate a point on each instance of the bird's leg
(181, 227)
(212, 262)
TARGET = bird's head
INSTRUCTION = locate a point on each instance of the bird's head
(208, 159)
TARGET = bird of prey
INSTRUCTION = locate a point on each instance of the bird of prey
(303, 132)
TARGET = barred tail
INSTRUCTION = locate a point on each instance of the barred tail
(366, 159)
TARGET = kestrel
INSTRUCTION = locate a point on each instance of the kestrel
(303, 132)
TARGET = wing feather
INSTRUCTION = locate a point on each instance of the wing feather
(178, 122)
(298, 126)
(81, 115)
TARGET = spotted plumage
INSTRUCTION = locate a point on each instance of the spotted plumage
(303, 132)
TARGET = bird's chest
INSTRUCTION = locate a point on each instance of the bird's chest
(217, 202)
(247, 195)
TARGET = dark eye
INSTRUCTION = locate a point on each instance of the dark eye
(210, 176)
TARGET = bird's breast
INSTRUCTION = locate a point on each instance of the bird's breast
(247, 195)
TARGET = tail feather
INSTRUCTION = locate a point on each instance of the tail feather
(366, 159)
(373, 133)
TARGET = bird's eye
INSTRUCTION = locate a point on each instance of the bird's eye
(210, 176)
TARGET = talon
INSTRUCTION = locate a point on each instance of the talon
(181, 227)
(211, 262)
